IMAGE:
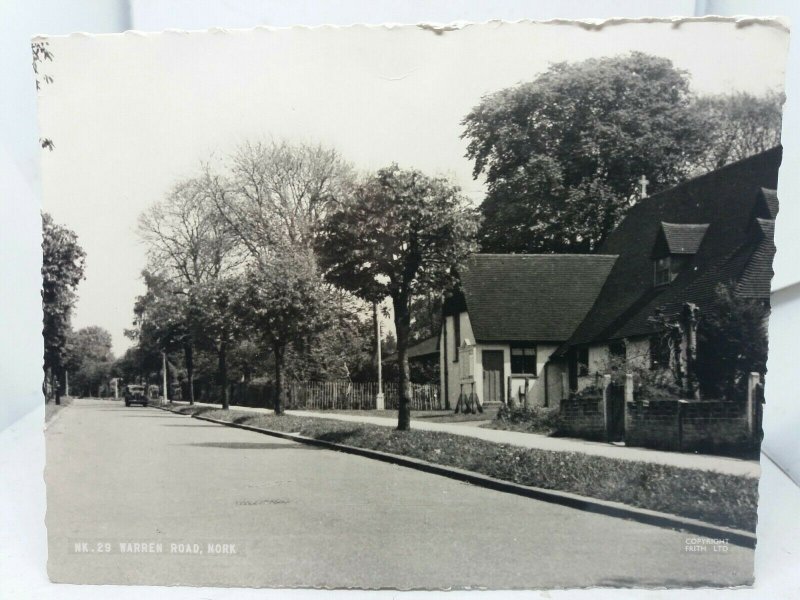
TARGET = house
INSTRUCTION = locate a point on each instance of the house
(512, 312)
(423, 361)
(675, 248)
(552, 324)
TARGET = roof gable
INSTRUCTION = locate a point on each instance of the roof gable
(727, 200)
(531, 297)
(683, 238)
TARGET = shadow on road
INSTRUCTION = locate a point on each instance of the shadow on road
(189, 425)
(252, 446)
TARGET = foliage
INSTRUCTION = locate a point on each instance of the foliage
(731, 343)
(283, 301)
(562, 154)
(400, 233)
(426, 316)
(89, 360)
(63, 262)
(648, 383)
(40, 51)
(727, 500)
(738, 125)
(535, 419)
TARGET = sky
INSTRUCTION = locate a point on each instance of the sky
(131, 114)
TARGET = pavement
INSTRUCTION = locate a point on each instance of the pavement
(298, 516)
(686, 460)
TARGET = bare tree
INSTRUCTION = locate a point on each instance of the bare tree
(738, 125)
(192, 248)
(277, 193)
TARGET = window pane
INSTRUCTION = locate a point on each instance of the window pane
(523, 361)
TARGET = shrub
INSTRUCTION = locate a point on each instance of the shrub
(535, 419)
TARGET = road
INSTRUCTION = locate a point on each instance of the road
(298, 516)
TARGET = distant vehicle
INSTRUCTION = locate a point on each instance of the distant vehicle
(134, 394)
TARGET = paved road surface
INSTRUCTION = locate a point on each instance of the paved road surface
(306, 517)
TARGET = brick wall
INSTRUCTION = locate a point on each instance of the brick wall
(653, 424)
(714, 424)
(704, 425)
(582, 417)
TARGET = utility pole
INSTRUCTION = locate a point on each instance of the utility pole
(379, 399)
(164, 375)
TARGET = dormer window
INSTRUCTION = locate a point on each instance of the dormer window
(663, 276)
(675, 246)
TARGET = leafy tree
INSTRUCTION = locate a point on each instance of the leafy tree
(90, 359)
(165, 320)
(399, 233)
(731, 343)
(738, 125)
(426, 320)
(220, 326)
(283, 302)
(562, 154)
(63, 263)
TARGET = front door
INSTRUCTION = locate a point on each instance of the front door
(492, 361)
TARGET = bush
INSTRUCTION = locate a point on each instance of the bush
(534, 420)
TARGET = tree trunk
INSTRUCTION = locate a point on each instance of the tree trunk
(222, 356)
(188, 353)
(402, 323)
(54, 386)
(278, 403)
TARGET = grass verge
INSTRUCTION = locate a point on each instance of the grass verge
(431, 416)
(721, 499)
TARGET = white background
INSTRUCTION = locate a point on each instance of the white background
(22, 492)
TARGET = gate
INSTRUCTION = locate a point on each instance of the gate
(615, 406)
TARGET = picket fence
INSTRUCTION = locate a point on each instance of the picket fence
(348, 395)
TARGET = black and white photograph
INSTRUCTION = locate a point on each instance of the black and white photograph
(409, 307)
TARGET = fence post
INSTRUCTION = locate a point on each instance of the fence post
(606, 390)
(752, 385)
(526, 393)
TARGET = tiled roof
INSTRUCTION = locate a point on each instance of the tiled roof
(755, 281)
(683, 238)
(727, 200)
(531, 297)
(424, 348)
(769, 197)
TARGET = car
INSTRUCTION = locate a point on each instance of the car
(134, 394)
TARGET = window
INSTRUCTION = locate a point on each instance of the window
(662, 271)
(618, 355)
(523, 361)
(583, 360)
(456, 335)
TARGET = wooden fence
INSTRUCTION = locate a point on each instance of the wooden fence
(347, 395)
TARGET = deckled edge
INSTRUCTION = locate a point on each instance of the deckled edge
(778, 22)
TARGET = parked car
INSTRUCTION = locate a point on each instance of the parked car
(134, 394)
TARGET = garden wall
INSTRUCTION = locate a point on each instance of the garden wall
(701, 425)
(582, 416)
